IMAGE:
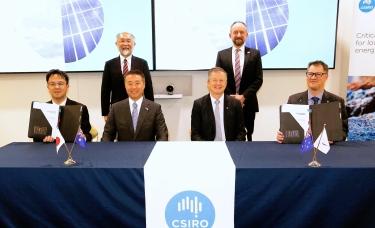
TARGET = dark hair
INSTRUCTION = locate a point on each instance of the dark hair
(59, 72)
(319, 63)
(241, 22)
(136, 72)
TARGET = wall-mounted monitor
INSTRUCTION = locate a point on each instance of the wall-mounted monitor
(80, 35)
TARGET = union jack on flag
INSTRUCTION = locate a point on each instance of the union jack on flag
(80, 139)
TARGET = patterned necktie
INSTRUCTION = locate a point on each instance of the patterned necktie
(135, 116)
(315, 99)
(218, 136)
(125, 69)
(237, 70)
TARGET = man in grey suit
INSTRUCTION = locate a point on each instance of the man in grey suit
(316, 77)
(245, 74)
(112, 89)
(135, 118)
(217, 122)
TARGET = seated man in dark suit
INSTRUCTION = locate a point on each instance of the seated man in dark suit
(216, 116)
(316, 77)
(58, 86)
(135, 118)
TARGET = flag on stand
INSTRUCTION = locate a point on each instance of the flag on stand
(80, 139)
(322, 143)
(307, 143)
(58, 138)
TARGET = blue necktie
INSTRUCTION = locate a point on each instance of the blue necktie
(135, 116)
(315, 99)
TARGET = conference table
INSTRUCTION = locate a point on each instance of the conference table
(274, 187)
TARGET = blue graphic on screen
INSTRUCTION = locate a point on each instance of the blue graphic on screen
(267, 21)
(366, 5)
(82, 25)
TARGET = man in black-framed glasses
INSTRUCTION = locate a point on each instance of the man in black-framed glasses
(316, 77)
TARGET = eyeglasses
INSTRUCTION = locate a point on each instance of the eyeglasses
(317, 74)
(53, 84)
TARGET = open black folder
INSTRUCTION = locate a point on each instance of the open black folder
(69, 121)
(319, 114)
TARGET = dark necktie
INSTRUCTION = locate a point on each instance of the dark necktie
(237, 70)
(315, 99)
(125, 69)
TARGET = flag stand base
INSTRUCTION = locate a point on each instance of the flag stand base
(314, 164)
(70, 161)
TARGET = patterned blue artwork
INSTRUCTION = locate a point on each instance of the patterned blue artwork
(82, 25)
(267, 21)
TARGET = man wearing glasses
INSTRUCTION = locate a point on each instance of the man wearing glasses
(58, 86)
(316, 77)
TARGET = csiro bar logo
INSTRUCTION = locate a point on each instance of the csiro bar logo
(366, 5)
(190, 209)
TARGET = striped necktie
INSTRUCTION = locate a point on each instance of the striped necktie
(125, 68)
(237, 71)
(135, 116)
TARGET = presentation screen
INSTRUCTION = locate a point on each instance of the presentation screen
(71, 35)
(288, 33)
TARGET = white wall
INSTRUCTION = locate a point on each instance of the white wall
(17, 91)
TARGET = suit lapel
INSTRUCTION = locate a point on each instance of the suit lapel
(325, 97)
(207, 108)
(134, 64)
(304, 99)
(143, 112)
(226, 114)
(228, 56)
(127, 115)
(118, 66)
(246, 59)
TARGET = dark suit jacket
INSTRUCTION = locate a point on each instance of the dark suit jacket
(151, 123)
(252, 75)
(302, 98)
(85, 120)
(113, 87)
(203, 120)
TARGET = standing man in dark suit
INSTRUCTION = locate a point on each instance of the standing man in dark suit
(114, 70)
(316, 77)
(216, 116)
(58, 86)
(245, 74)
(135, 118)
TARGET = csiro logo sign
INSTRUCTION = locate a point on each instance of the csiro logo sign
(190, 209)
(366, 5)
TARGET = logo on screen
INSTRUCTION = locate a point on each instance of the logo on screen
(190, 209)
(266, 22)
(366, 5)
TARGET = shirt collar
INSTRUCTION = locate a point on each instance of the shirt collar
(138, 102)
(62, 103)
(320, 96)
(127, 58)
(241, 48)
(221, 99)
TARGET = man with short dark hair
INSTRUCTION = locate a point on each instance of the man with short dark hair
(112, 89)
(58, 86)
(316, 77)
(135, 118)
(216, 116)
(245, 74)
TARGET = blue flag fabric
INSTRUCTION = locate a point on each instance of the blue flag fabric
(307, 142)
(80, 139)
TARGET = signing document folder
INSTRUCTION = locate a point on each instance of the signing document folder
(46, 118)
(295, 121)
